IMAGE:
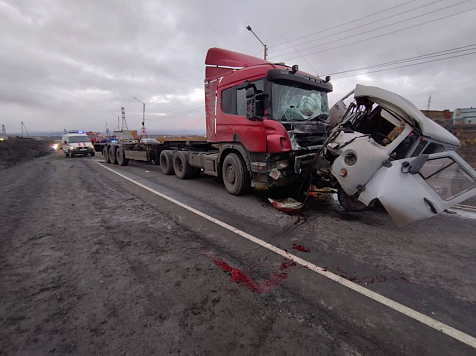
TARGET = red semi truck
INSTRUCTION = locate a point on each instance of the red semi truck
(270, 124)
(264, 124)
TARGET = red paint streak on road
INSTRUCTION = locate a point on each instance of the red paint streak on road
(238, 276)
(301, 248)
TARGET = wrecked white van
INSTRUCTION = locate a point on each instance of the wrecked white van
(382, 147)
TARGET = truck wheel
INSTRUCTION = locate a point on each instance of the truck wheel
(182, 168)
(235, 176)
(167, 162)
(105, 154)
(93, 154)
(350, 203)
(112, 155)
(121, 158)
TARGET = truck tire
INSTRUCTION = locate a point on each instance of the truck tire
(167, 162)
(112, 155)
(235, 176)
(105, 154)
(182, 169)
(350, 203)
(93, 154)
(121, 158)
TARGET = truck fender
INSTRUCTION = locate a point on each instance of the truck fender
(226, 148)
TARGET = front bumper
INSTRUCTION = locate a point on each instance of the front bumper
(81, 151)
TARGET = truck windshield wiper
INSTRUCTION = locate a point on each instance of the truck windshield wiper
(321, 117)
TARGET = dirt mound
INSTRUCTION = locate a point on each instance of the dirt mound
(17, 150)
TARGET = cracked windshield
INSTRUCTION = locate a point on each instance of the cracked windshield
(291, 103)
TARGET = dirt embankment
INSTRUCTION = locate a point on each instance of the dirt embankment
(17, 150)
(467, 136)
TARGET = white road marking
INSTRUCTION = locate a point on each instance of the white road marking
(435, 324)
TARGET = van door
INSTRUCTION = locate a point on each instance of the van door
(444, 180)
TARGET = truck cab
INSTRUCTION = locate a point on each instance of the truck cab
(272, 117)
(381, 147)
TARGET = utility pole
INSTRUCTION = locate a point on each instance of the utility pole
(107, 130)
(429, 102)
(23, 129)
(265, 47)
(124, 122)
(118, 127)
(143, 131)
(4, 132)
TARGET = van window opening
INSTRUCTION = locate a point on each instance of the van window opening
(76, 139)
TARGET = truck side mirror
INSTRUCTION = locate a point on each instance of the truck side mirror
(417, 163)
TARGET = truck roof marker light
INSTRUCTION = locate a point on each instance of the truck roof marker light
(294, 68)
(328, 78)
(343, 172)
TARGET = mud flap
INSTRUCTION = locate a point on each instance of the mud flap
(443, 181)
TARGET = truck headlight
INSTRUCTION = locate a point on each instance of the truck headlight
(350, 159)
(282, 164)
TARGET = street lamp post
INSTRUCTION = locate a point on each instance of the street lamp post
(265, 47)
(143, 131)
(107, 130)
(118, 126)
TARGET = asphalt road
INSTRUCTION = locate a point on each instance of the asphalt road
(93, 263)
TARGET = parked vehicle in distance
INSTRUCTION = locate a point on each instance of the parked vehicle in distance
(77, 143)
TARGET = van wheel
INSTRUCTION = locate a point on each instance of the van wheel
(121, 158)
(235, 176)
(112, 155)
(350, 203)
(167, 162)
(182, 169)
(105, 154)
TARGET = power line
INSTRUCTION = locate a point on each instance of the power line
(346, 23)
(412, 59)
(379, 28)
(408, 65)
(388, 33)
(367, 24)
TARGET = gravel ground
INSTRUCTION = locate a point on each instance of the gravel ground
(89, 267)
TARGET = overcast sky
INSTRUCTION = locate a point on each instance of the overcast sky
(73, 63)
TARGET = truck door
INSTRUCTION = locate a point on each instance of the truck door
(232, 124)
(444, 180)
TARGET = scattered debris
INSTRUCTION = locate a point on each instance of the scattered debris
(288, 205)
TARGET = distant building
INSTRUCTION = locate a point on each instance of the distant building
(464, 116)
(438, 116)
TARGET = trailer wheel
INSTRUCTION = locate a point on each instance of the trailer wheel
(350, 203)
(235, 176)
(182, 168)
(112, 155)
(167, 162)
(121, 158)
(105, 154)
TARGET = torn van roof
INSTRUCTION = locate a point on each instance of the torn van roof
(408, 111)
